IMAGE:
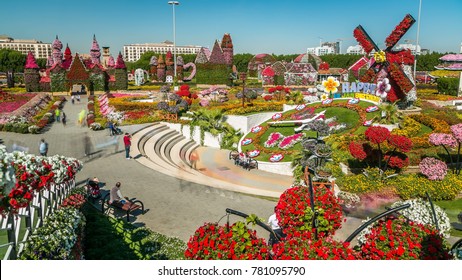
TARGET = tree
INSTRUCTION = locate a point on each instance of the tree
(242, 60)
(11, 60)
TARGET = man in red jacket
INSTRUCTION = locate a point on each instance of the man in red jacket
(127, 143)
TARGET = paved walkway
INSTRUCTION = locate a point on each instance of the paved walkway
(176, 207)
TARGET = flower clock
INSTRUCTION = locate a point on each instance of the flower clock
(254, 153)
(353, 101)
(276, 116)
(246, 141)
(256, 129)
(276, 157)
(371, 109)
(330, 85)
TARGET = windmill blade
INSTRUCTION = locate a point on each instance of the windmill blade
(399, 32)
(400, 78)
(364, 40)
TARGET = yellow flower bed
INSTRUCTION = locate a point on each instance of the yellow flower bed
(415, 185)
(410, 128)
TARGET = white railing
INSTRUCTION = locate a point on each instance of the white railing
(21, 225)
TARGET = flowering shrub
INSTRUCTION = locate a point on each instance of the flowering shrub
(397, 160)
(357, 150)
(57, 237)
(396, 238)
(300, 248)
(294, 212)
(377, 134)
(442, 139)
(214, 242)
(433, 168)
(420, 212)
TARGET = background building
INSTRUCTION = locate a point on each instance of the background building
(321, 50)
(355, 50)
(38, 48)
(411, 47)
(133, 52)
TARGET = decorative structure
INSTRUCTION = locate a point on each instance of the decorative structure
(62, 75)
(217, 56)
(450, 62)
(57, 54)
(394, 65)
(227, 49)
(160, 69)
(203, 56)
(31, 74)
(258, 63)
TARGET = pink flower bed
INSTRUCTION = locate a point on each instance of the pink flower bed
(116, 95)
(273, 139)
(17, 102)
(290, 141)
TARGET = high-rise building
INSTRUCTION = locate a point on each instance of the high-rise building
(133, 52)
(38, 48)
(334, 45)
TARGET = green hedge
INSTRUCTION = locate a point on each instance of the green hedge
(448, 86)
(212, 74)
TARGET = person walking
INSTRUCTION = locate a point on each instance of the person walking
(72, 99)
(43, 148)
(82, 117)
(57, 114)
(78, 97)
(194, 157)
(64, 118)
(127, 143)
(277, 233)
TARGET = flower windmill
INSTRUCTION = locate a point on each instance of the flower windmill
(388, 64)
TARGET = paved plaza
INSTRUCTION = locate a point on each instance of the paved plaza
(176, 207)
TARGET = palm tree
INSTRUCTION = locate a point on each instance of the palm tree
(230, 136)
(208, 121)
(390, 112)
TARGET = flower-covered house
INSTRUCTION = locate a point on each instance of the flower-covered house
(65, 74)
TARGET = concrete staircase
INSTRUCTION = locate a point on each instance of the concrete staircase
(165, 150)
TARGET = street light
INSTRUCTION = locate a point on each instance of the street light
(417, 41)
(174, 3)
(243, 76)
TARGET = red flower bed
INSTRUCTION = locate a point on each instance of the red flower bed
(397, 160)
(236, 242)
(133, 115)
(11, 102)
(301, 248)
(294, 210)
(398, 239)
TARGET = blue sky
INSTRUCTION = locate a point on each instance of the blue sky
(258, 26)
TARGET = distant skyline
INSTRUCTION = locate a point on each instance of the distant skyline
(259, 26)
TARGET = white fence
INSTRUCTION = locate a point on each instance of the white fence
(20, 226)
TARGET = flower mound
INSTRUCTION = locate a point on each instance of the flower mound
(273, 139)
(294, 212)
(214, 242)
(290, 141)
(420, 212)
(300, 248)
(398, 239)
(433, 168)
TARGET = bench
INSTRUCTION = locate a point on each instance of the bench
(128, 207)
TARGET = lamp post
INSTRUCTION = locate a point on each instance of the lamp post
(243, 76)
(417, 51)
(174, 3)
